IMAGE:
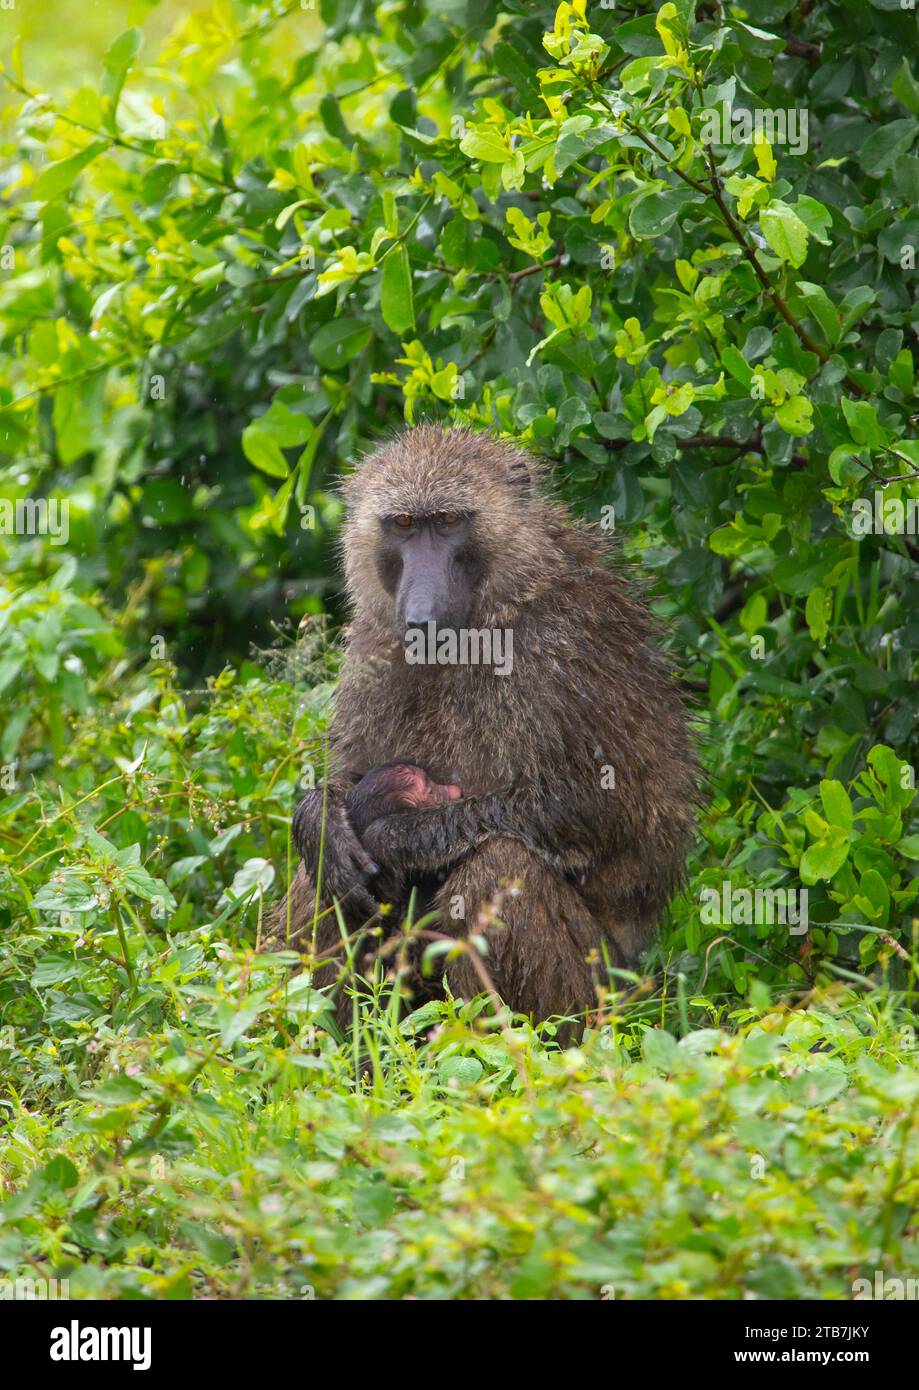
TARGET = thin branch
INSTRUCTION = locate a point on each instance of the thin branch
(518, 275)
(118, 140)
(715, 192)
(801, 48)
(740, 237)
(899, 477)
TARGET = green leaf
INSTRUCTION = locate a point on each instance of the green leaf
(822, 861)
(836, 803)
(334, 121)
(659, 1048)
(758, 42)
(396, 300)
(237, 1022)
(905, 87)
(10, 666)
(60, 1173)
(464, 1070)
(738, 366)
(57, 178)
(875, 897)
(890, 140)
(337, 342)
(864, 426)
(262, 451)
(817, 613)
(815, 217)
(123, 50)
(77, 416)
(575, 144)
(655, 213)
(486, 144)
(894, 775)
(118, 59)
(218, 1249)
(252, 880)
(512, 65)
(844, 466)
(819, 305)
(375, 1202)
(795, 415)
(784, 231)
(285, 426)
(54, 969)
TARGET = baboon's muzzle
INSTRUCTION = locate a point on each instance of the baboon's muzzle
(433, 588)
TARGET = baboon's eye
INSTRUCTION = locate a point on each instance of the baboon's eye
(404, 520)
(446, 518)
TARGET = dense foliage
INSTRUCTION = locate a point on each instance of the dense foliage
(227, 265)
(180, 1120)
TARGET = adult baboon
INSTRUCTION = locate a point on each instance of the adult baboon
(576, 767)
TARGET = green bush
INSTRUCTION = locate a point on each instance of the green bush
(229, 262)
(179, 1119)
(233, 268)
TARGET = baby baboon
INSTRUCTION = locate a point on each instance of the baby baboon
(577, 771)
(396, 786)
(387, 790)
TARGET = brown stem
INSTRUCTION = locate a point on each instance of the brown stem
(714, 192)
(653, 145)
(475, 960)
(899, 477)
(517, 275)
(800, 48)
(739, 236)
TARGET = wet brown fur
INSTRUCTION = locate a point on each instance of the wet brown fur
(588, 689)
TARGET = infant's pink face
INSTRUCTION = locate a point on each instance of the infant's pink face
(425, 792)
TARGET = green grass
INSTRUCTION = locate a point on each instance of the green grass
(236, 1153)
(179, 1120)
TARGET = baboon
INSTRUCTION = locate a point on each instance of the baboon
(577, 769)
(396, 786)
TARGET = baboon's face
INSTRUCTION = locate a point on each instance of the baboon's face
(444, 526)
(430, 565)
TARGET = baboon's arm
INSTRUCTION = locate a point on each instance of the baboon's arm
(433, 838)
(332, 854)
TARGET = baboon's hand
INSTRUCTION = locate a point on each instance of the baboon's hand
(433, 838)
(333, 856)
